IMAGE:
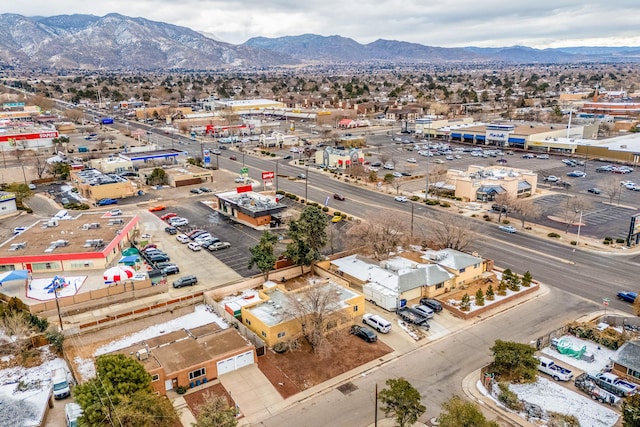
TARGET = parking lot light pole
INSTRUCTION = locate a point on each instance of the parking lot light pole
(306, 185)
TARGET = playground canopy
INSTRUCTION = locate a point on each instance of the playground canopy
(129, 260)
(14, 275)
(130, 251)
(118, 273)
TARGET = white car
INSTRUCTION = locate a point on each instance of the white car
(543, 156)
(411, 160)
(397, 175)
(389, 166)
(401, 199)
(183, 238)
(552, 178)
(629, 185)
(423, 310)
(115, 212)
(508, 228)
(194, 246)
(179, 222)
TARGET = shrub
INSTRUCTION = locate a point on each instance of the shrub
(620, 241)
(488, 219)
(509, 398)
(56, 339)
(473, 215)
(485, 216)
(280, 192)
(557, 419)
(414, 198)
(337, 213)
(573, 243)
(273, 154)
(181, 389)
(445, 204)
(553, 235)
(281, 347)
(432, 202)
(506, 221)
(325, 209)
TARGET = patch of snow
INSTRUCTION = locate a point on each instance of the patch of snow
(554, 397)
(497, 298)
(24, 392)
(85, 368)
(601, 355)
(201, 316)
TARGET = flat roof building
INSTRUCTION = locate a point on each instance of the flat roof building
(250, 207)
(96, 185)
(484, 184)
(88, 241)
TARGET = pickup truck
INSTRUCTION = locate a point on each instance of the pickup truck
(614, 384)
(549, 367)
(410, 315)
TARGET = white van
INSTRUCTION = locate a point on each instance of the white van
(377, 322)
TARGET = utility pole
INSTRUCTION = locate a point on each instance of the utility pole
(426, 190)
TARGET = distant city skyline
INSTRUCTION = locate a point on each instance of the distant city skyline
(447, 23)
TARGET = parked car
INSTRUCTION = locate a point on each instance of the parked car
(594, 190)
(233, 158)
(528, 156)
(205, 189)
(507, 228)
(501, 161)
(194, 246)
(171, 230)
(115, 212)
(627, 296)
(543, 156)
(432, 304)
(397, 175)
(179, 222)
(499, 208)
(363, 332)
(216, 246)
(577, 174)
(423, 310)
(552, 178)
(378, 323)
(182, 238)
(171, 269)
(185, 281)
(604, 169)
(157, 208)
(159, 258)
(338, 196)
(336, 218)
(401, 199)
(105, 202)
(287, 157)
(195, 191)
(168, 216)
(302, 176)
(412, 160)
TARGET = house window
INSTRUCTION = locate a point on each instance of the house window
(462, 270)
(633, 373)
(247, 321)
(155, 377)
(264, 334)
(355, 308)
(281, 334)
(476, 265)
(440, 286)
(197, 373)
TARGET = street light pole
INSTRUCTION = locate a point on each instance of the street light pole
(412, 221)
(276, 175)
(306, 185)
(426, 190)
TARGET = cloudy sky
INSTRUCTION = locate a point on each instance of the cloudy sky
(447, 23)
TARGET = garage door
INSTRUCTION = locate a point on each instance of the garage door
(235, 362)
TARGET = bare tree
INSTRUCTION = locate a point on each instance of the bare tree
(611, 187)
(75, 114)
(380, 235)
(454, 233)
(17, 327)
(40, 164)
(506, 202)
(527, 209)
(358, 171)
(574, 208)
(318, 308)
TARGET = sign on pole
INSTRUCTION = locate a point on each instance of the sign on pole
(244, 171)
(266, 176)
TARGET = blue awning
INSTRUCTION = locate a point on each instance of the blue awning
(523, 186)
(480, 137)
(517, 140)
(456, 135)
(468, 136)
(129, 259)
(489, 189)
(14, 275)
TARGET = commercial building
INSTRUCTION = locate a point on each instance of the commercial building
(484, 184)
(27, 139)
(252, 208)
(341, 158)
(112, 164)
(93, 184)
(241, 105)
(189, 358)
(7, 203)
(87, 242)
(275, 317)
(180, 176)
(146, 158)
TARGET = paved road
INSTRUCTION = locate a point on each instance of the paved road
(436, 370)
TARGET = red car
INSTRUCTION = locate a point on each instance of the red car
(168, 216)
(233, 158)
(157, 208)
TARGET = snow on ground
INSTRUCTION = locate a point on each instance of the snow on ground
(554, 397)
(601, 355)
(201, 316)
(24, 392)
(497, 298)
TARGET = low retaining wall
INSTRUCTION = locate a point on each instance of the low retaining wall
(466, 315)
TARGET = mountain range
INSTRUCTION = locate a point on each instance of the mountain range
(118, 42)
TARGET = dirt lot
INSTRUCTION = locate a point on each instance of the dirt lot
(297, 370)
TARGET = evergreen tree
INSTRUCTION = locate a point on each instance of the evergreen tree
(402, 400)
(263, 254)
(480, 298)
(527, 279)
(215, 412)
(465, 303)
(459, 413)
(490, 296)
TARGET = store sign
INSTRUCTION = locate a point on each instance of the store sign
(268, 175)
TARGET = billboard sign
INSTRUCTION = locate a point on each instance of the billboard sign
(206, 157)
(266, 176)
(244, 189)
